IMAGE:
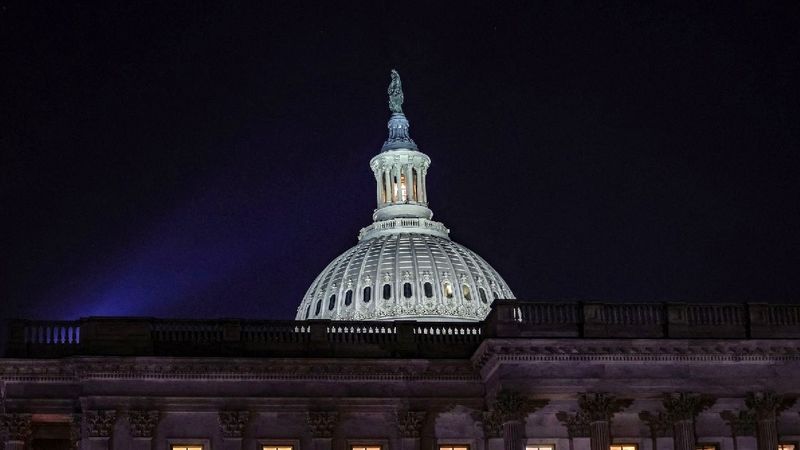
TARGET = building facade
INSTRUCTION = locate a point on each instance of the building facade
(409, 341)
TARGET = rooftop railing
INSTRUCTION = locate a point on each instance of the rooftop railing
(142, 336)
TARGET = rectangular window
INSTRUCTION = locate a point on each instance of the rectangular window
(624, 447)
(785, 446)
(540, 447)
(186, 447)
(707, 447)
(277, 447)
(453, 447)
(365, 447)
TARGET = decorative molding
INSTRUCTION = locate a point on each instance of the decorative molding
(741, 423)
(409, 423)
(17, 426)
(767, 405)
(322, 423)
(492, 424)
(100, 423)
(233, 423)
(659, 424)
(600, 406)
(512, 406)
(684, 406)
(577, 424)
(665, 350)
(143, 423)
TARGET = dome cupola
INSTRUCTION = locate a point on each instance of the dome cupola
(404, 266)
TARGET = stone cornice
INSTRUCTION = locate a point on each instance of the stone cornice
(166, 368)
(634, 350)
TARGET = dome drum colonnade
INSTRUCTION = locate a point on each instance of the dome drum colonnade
(404, 266)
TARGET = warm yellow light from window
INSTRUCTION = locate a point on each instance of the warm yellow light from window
(186, 447)
(706, 447)
(369, 447)
(540, 447)
(460, 447)
(277, 447)
(786, 447)
(624, 447)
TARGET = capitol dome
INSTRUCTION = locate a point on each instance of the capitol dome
(404, 266)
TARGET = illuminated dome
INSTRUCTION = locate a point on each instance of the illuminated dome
(404, 266)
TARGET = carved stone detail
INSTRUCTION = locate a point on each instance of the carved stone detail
(577, 424)
(409, 423)
(233, 423)
(741, 423)
(143, 423)
(17, 426)
(601, 407)
(659, 424)
(767, 405)
(322, 423)
(100, 423)
(492, 424)
(512, 406)
(685, 406)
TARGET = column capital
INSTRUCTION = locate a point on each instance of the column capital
(512, 406)
(601, 406)
(322, 423)
(410, 423)
(658, 424)
(233, 423)
(684, 406)
(767, 405)
(17, 426)
(100, 423)
(143, 423)
(741, 423)
(577, 424)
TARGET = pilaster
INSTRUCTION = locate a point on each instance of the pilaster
(322, 425)
(99, 426)
(766, 407)
(409, 428)
(18, 430)
(681, 410)
(599, 410)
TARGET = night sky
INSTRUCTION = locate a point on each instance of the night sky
(209, 160)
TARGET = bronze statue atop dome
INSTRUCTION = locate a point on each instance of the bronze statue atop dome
(395, 94)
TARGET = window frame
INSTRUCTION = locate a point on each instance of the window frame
(794, 443)
(452, 446)
(702, 445)
(635, 445)
(540, 444)
(294, 443)
(204, 443)
(456, 442)
(382, 443)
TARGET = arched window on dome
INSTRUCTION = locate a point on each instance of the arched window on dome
(483, 295)
(415, 178)
(403, 189)
(387, 291)
(428, 288)
(308, 311)
(407, 290)
(467, 292)
(367, 294)
(348, 297)
(331, 302)
(447, 287)
(495, 295)
(319, 306)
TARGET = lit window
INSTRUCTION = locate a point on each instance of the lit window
(348, 297)
(483, 295)
(540, 447)
(277, 447)
(414, 185)
(367, 294)
(186, 447)
(403, 191)
(624, 447)
(453, 447)
(387, 291)
(448, 289)
(367, 447)
(319, 306)
(332, 302)
(428, 288)
(467, 292)
(787, 447)
(707, 447)
(407, 290)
